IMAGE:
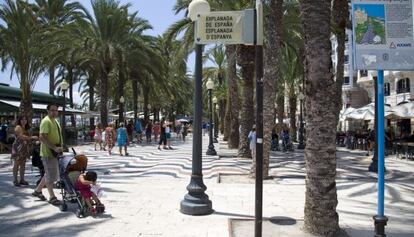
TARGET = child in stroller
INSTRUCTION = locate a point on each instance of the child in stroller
(286, 143)
(71, 168)
(83, 185)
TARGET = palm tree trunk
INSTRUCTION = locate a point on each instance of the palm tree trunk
(320, 154)
(340, 15)
(292, 113)
(121, 84)
(91, 89)
(227, 118)
(26, 108)
(135, 99)
(146, 101)
(70, 81)
(233, 99)
(52, 79)
(245, 59)
(70, 77)
(280, 104)
(222, 104)
(104, 98)
(272, 62)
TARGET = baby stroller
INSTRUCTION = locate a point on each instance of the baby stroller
(286, 143)
(70, 167)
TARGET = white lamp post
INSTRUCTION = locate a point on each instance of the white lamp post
(210, 86)
(215, 119)
(196, 202)
(121, 109)
(64, 86)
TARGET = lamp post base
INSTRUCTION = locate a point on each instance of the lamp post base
(211, 151)
(196, 202)
(380, 222)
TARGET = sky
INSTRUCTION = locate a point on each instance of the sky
(159, 13)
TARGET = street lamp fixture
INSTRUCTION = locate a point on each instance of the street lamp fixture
(121, 108)
(198, 7)
(301, 144)
(210, 86)
(196, 201)
(64, 86)
(215, 118)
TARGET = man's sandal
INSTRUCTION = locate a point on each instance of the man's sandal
(54, 201)
(39, 195)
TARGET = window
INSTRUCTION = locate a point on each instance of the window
(346, 59)
(346, 80)
(363, 73)
(387, 90)
(403, 85)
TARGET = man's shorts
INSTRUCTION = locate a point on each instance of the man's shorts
(51, 169)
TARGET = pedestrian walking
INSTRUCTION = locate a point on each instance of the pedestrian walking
(50, 148)
(148, 131)
(163, 138)
(130, 130)
(184, 131)
(168, 134)
(3, 135)
(252, 141)
(21, 149)
(122, 139)
(98, 136)
(110, 137)
(138, 130)
(157, 130)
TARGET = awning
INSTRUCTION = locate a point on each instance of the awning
(13, 93)
(10, 104)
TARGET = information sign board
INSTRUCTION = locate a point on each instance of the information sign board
(383, 34)
(220, 27)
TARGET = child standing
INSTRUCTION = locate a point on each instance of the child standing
(83, 185)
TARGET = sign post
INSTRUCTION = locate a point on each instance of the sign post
(382, 40)
(242, 27)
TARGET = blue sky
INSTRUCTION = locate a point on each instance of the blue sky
(158, 12)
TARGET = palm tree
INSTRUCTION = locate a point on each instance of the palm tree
(340, 16)
(245, 56)
(320, 154)
(232, 106)
(272, 68)
(19, 36)
(109, 31)
(53, 15)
